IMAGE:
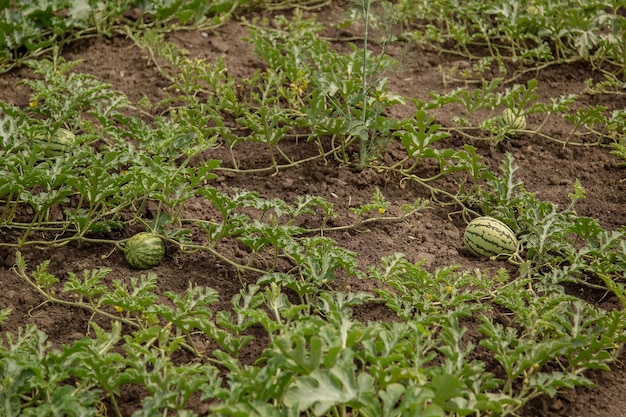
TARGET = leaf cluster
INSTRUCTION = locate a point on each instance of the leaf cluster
(317, 358)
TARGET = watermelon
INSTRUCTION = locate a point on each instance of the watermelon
(58, 143)
(512, 122)
(144, 250)
(486, 236)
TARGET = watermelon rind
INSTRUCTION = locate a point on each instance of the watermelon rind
(144, 250)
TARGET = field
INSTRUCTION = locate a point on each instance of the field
(311, 167)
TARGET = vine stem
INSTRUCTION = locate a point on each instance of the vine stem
(20, 270)
(293, 164)
(366, 4)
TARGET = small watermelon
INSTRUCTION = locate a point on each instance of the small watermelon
(144, 250)
(58, 143)
(486, 236)
(512, 122)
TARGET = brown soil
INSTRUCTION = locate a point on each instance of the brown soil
(546, 168)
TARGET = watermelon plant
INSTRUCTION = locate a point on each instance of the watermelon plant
(290, 340)
(316, 346)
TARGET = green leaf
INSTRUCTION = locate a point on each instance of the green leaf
(326, 388)
(90, 285)
(300, 355)
(4, 314)
(419, 133)
(42, 277)
(79, 9)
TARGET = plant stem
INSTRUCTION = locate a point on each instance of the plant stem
(366, 4)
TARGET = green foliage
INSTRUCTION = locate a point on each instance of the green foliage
(523, 33)
(131, 169)
(319, 359)
(30, 29)
(559, 245)
(37, 380)
(419, 134)
(619, 150)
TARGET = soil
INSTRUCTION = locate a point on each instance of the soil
(547, 168)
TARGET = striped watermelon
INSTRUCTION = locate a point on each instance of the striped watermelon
(486, 236)
(58, 143)
(512, 122)
(144, 250)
